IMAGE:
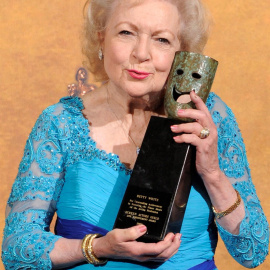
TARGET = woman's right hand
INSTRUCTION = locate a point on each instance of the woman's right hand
(121, 244)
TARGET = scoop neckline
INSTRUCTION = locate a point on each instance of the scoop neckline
(78, 103)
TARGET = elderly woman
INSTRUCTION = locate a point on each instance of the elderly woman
(80, 153)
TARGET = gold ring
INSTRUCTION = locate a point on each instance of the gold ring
(205, 132)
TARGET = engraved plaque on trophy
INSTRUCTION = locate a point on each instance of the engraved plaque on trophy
(159, 186)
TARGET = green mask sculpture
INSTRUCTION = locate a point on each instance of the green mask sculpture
(190, 71)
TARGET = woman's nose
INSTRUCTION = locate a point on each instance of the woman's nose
(141, 49)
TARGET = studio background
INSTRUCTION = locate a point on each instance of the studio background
(40, 53)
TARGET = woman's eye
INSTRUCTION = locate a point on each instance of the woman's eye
(164, 40)
(125, 32)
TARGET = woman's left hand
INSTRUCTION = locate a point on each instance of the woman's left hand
(218, 186)
(206, 148)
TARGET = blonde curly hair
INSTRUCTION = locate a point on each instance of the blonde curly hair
(194, 29)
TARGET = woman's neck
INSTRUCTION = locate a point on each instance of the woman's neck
(151, 104)
(133, 114)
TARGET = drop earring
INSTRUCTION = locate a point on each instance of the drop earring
(100, 54)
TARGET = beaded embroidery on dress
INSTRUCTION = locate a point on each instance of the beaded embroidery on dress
(60, 137)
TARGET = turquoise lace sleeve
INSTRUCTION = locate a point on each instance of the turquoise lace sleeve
(27, 240)
(250, 246)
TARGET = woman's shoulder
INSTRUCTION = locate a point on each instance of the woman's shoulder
(59, 119)
(213, 101)
(70, 110)
(218, 108)
(66, 107)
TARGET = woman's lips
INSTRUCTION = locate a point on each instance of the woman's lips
(136, 74)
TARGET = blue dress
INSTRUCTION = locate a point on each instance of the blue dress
(63, 171)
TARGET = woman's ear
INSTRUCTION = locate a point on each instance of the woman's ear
(101, 39)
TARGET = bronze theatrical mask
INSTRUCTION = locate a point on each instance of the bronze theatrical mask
(190, 71)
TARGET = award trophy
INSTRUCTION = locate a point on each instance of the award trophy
(159, 186)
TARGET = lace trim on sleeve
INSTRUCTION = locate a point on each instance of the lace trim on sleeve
(27, 241)
(31, 187)
(31, 240)
(250, 247)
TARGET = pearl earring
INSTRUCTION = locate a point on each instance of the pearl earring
(100, 54)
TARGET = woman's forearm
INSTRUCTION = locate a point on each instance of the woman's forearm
(66, 253)
(223, 195)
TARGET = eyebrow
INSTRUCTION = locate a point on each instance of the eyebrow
(155, 33)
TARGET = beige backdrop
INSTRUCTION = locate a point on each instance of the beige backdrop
(40, 52)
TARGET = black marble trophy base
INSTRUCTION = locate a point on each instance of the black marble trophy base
(159, 186)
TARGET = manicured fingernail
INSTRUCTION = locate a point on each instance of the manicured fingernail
(195, 95)
(142, 228)
(173, 127)
(180, 111)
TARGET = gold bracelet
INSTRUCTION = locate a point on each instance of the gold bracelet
(230, 209)
(87, 249)
(84, 245)
(91, 253)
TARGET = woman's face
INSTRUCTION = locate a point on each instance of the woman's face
(139, 45)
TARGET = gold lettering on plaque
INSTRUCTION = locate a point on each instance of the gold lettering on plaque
(141, 196)
(130, 213)
(150, 211)
(153, 199)
(144, 207)
(143, 215)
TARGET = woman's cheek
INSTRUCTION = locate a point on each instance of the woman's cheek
(164, 63)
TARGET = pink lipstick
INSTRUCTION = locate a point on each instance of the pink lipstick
(136, 74)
